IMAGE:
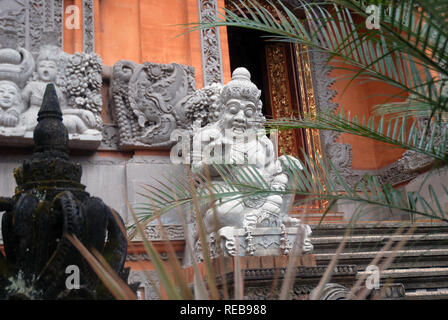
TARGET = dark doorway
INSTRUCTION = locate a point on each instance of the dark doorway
(246, 49)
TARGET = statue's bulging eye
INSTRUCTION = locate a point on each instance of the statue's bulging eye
(233, 109)
(249, 112)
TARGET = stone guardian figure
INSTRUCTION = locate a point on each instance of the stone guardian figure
(237, 137)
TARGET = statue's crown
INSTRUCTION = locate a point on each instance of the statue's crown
(241, 86)
(16, 65)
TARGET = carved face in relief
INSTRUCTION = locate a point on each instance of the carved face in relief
(47, 70)
(239, 115)
(8, 95)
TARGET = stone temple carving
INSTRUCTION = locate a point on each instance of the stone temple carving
(30, 24)
(257, 225)
(149, 102)
(77, 80)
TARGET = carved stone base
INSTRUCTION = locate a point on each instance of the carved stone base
(261, 241)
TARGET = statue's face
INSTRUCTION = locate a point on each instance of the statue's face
(47, 70)
(239, 115)
(8, 94)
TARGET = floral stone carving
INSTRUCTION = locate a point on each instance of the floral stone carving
(77, 80)
(149, 102)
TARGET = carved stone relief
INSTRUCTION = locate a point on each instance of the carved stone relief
(31, 23)
(110, 137)
(77, 80)
(149, 102)
(210, 44)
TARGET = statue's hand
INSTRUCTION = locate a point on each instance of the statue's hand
(88, 118)
(290, 162)
(10, 119)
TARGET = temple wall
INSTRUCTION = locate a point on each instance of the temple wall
(147, 30)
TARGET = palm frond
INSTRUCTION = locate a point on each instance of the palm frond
(421, 135)
(319, 180)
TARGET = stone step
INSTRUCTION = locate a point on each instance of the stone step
(374, 228)
(315, 218)
(409, 258)
(329, 244)
(421, 265)
(415, 278)
(423, 294)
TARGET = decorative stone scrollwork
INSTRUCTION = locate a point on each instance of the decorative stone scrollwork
(210, 44)
(172, 232)
(149, 102)
(88, 26)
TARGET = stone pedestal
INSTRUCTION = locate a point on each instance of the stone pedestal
(259, 241)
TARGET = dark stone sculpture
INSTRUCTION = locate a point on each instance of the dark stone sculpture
(50, 202)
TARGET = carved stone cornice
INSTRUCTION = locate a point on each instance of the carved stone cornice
(256, 275)
(158, 236)
(172, 232)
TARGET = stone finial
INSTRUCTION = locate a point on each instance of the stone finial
(241, 74)
(50, 133)
(50, 104)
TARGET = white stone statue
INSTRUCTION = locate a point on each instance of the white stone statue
(48, 67)
(237, 134)
(11, 104)
(15, 68)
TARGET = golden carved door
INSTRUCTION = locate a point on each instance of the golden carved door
(291, 93)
